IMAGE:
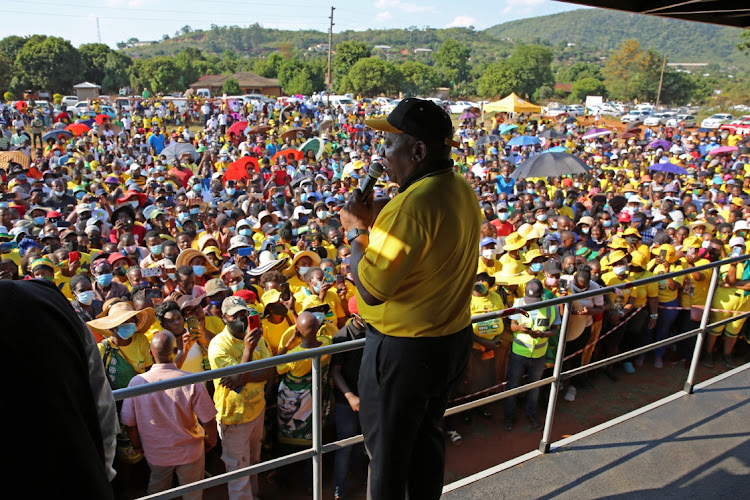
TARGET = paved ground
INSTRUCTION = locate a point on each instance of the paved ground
(694, 447)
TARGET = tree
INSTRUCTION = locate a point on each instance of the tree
(231, 87)
(165, 37)
(93, 58)
(271, 66)
(10, 45)
(347, 55)
(498, 79)
(581, 70)
(186, 29)
(533, 67)
(298, 77)
(452, 60)
(587, 86)
(419, 79)
(116, 72)
(159, 75)
(744, 44)
(47, 63)
(372, 76)
(624, 63)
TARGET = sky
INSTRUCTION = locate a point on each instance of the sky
(119, 20)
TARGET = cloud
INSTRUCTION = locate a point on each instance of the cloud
(462, 21)
(398, 5)
(521, 6)
(383, 16)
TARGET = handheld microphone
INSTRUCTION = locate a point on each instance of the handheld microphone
(373, 174)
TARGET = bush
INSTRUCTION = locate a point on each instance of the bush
(57, 98)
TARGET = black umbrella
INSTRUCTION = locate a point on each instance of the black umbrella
(550, 165)
(551, 133)
(487, 139)
(56, 134)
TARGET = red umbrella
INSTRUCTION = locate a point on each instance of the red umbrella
(101, 118)
(237, 128)
(62, 116)
(240, 169)
(21, 105)
(289, 153)
(259, 129)
(77, 128)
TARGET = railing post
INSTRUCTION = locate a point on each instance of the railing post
(317, 430)
(701, 337)
(555, 388)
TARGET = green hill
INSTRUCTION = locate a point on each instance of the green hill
(681, 41)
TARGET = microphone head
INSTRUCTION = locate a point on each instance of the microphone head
(376, 170)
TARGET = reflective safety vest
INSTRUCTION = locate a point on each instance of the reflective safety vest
(540, 320)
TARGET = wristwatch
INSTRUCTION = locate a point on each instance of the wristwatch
(355, 233)
(654, 316)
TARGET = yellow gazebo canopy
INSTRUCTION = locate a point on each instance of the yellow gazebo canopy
(511, 104)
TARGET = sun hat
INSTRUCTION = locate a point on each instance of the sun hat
(122, 312)
(291, 270)
(189, 254)
(514, 241)
(671, 254)
(709, 228)
(530, 232)
(266, 263)
(531, 255)
(271, 297)
(512, 273)
(236, 242)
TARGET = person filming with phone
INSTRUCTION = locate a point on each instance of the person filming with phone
(418, 340)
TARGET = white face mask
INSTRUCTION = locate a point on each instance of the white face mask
(489, 253)
(620, 270)
(552, 249)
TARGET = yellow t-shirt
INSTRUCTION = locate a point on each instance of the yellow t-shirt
(336, 310)
(417, 245)
(643, 292)
(618, 300)
(665, 294)
(232, 407)
(136, 353)
(214, 324)
(296, 284)
(493, 328)
(299, 369)
(492, 270)
(273, 332)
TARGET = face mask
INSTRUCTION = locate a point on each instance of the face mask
(130, 248)
(230, 191)
(183, 216)
(503, 216)
(570, 269)
(552, 249)
(280, 202)
(85, 298)
(160, 178)
(134, 204)
(237, 326)
(155, 249)
(321, 317)
(619, 270)
(171, 276)
(104, 279)
(489, 253)
(537, 267)
(607, 223)
(39, 221)
(57, 153)
(480, 288)
(553, 225)
(323, 214)
(58, 193)
(316, 288)
(551, 281)
(246, 232)
(585, 230)
(199, 270)
(237, 287)
(542, 217)
(303, 270)
(126, 330)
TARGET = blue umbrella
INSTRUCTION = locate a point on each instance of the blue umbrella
(556, 149)
(508, 128)
(668, 167)
(524, 140)
(55, 134)
(660, 143)
(704, 130)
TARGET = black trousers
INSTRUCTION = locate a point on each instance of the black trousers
(404, 388)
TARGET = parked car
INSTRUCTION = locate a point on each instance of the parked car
(635, 115)
(575, 110)
(659, 118)
(717, 120)
(387, 108)
(690, 121)
(459, 107)
(739, 126)
(69, 100)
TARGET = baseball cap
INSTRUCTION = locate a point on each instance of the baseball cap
(553, 266)
(487, 241)
(533, 291)
(624, 217)
(233, 305)
(419, 118)
(215, 286)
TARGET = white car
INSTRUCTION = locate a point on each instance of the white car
(575, 110)
(634, 116)
(717, 120)
(690, 120)
(657, 119)
(387, 108)
(459, 107)
(69, 100)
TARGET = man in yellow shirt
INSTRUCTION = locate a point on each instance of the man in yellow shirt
(239, 399)
(417, 341)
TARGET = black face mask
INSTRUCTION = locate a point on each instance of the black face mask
(336, 241)
(714, 254)
(120, 271)
(570, 269)
(237, 327)
(51, 248)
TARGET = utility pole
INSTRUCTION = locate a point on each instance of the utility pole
(661, 80)
(98, 31)
(329, 81)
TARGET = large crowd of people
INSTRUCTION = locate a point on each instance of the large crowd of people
(195, 240)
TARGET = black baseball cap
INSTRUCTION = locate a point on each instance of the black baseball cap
(420, 118)
(533, 291)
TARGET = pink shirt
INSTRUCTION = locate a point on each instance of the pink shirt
(166, 420)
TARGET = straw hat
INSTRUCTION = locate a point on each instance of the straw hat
(120, 313)
(709, 228)
(291, 270)
(512, 273)
(514, 241)
(613, 257)
(204, 239)
(261, 215)
(189, 254)
(531, 255)
(266, 263)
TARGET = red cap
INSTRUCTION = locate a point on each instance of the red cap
(53, 213)
(353, 309)
(114, 257)
(624, 217)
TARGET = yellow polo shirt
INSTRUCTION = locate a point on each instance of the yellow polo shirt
(643, 292)
(233, 408)
(425, 237)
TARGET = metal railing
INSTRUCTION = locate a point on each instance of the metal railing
(558, 376)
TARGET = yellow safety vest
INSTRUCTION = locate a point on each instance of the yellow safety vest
(540, 320)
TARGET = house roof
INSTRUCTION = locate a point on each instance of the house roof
(87, 85)
(244, 79)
